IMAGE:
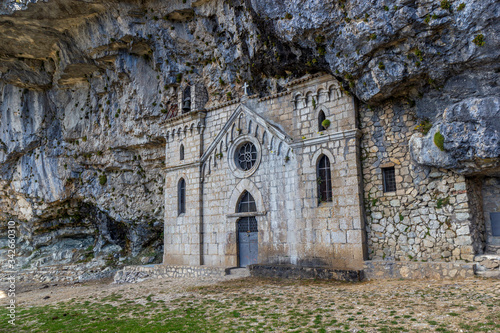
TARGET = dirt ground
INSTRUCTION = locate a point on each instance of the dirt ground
(471, 305)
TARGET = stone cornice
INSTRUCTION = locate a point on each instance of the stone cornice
(305, 79)
(196, 114)
(182, 166)
(249, 214)
(355, 133)
(283, 93)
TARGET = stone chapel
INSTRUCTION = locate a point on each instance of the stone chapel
(289, 180)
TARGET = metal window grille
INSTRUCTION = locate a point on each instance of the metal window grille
(247, 155)
(321, 118)
(324, 180)
(181, 197)
(247, 224)
(389, 179)
(247, 203)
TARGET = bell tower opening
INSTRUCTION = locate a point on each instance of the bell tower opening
(186, 100)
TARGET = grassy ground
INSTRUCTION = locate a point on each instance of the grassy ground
(252, 305)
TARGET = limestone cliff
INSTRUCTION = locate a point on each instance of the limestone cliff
(86, 88)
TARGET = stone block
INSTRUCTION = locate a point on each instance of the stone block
(354, 236)
(338, 237)
(464, 230)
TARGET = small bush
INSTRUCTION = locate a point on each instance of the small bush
(103, 180)
(439, 140)
(381, 65)
(325, 123)
(319, 39)
(479, 40)
(461, 7)
(445, 4)
(424, 127)
(288, 16)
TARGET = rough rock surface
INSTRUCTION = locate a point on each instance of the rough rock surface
(85, 87)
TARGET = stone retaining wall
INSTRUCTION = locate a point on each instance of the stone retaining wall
(133, 274)
(381, 269)
(67, 274)
(298, 272)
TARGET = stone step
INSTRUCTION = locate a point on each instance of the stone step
(493, 249)
(239, 272)
(488, 265)
(489, 274)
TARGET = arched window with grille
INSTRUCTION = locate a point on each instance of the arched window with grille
(181, 196)
(321, 118)
(247, 227)
(246, 203)
(181, 152)
(324, 180)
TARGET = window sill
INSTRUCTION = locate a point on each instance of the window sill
(247, 214)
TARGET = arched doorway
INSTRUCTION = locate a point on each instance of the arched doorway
(248, 237)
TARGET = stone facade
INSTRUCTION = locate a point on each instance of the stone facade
(294, 227)
(432, 214)
(428, 216)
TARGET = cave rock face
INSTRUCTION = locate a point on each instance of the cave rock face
(86, 89)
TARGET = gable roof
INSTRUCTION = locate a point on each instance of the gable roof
(271, 129)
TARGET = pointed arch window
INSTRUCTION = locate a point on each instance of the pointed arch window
(324, 180)
(246, 203)
(181, 196)
(321, 118)
(181, 152)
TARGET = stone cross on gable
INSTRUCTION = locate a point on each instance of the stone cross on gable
(245, 88)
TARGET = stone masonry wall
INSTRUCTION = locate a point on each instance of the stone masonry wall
(428, 216)
(61, 273)
(475, 201)
(134, 274)
(182, 233)
(294, 227)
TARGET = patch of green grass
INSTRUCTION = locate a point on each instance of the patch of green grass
(268, 305)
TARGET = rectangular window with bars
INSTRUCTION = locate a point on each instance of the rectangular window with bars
(389, 178)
